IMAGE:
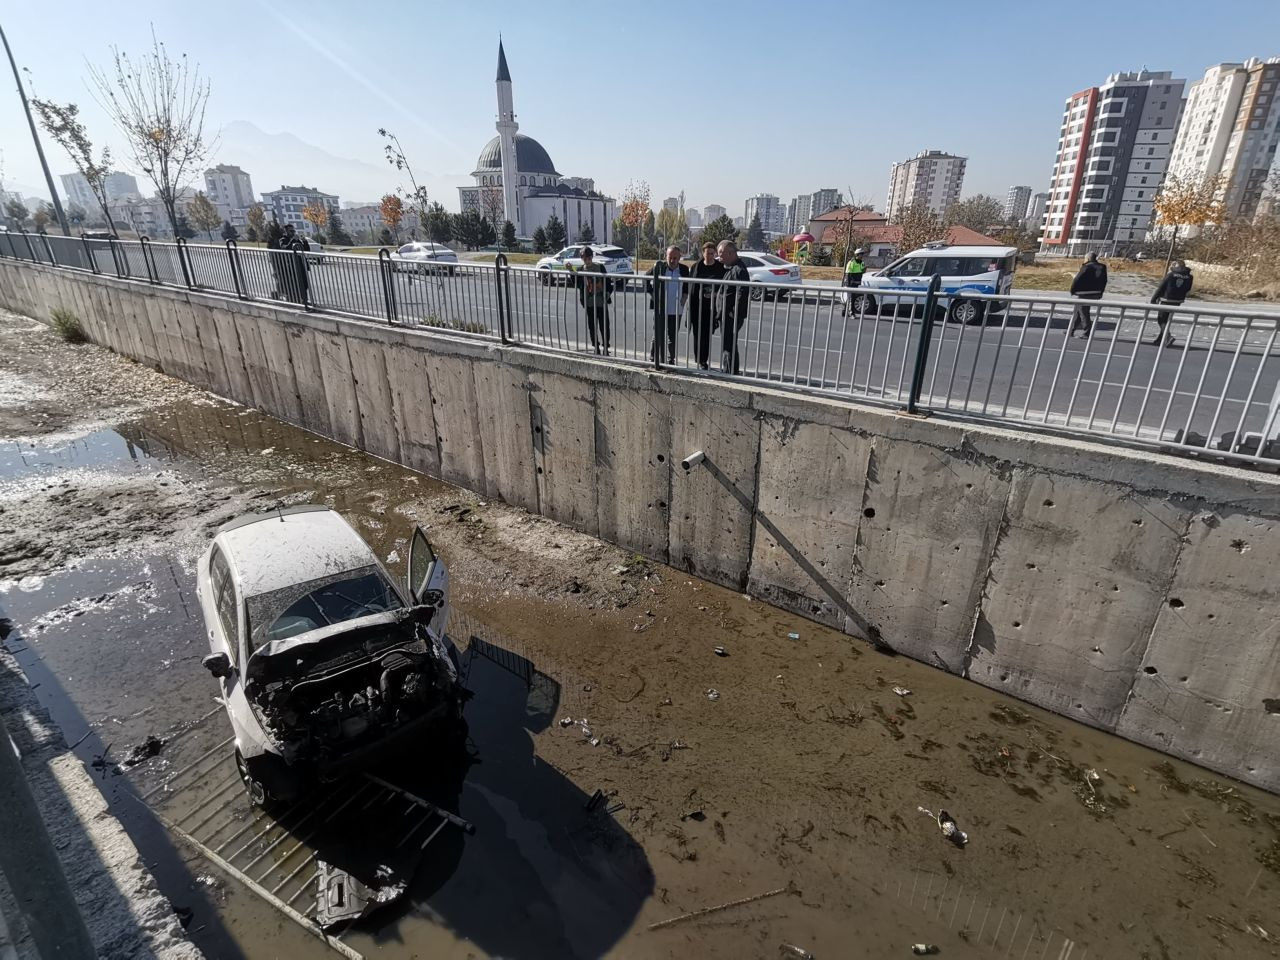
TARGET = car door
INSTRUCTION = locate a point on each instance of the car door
(912, 274)
(427, 572)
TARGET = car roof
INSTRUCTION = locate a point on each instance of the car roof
(269, 551)
(970, 251)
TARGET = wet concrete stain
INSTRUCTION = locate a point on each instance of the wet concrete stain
(793, 786)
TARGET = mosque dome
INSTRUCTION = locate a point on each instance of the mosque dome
(530, 157)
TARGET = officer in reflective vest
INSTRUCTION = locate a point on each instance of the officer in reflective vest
(853, 272)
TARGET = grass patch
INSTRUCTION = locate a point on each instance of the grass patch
(524, 259)
(67, 325)
(444, 323)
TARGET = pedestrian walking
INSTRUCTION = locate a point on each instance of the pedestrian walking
(735, 299)
(853, 271)
(594, 294)
(1088, 284)
(705, 305)
(667, 297)
(293, 268)
(1172, 291)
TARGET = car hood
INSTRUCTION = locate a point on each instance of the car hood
(294, 656)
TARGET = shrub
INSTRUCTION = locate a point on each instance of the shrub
(67, 325)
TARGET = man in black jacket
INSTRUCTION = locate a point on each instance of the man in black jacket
(1089, 284)
(1172, 291)
(667, 297)
(737, 299)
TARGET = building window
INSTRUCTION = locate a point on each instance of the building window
(523, 180)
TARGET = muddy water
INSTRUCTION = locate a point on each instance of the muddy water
(805, 774)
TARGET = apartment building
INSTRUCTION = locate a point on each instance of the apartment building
(712, 211)
(693, 218)
(117, 186)
(1230, 129)
(287, 203)
(799, 210)
(1113, 153)
(1035, 210)
(230, 189)
(931, 177)
(1015, 204)
(770, 210)
(828, 198)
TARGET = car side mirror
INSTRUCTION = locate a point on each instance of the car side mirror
(219, 664)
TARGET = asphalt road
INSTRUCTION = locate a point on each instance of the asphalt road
(1019, 365)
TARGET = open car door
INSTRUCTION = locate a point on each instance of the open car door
(427, 574)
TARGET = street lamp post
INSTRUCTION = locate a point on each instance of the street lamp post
(35, 137)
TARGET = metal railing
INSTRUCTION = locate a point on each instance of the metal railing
(1214, 393)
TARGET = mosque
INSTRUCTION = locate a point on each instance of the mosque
(515, 180)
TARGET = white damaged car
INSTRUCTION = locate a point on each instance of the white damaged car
(323, 659)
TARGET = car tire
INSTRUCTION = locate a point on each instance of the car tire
(757, 294)
(967, 312)
(862, 303)
(253, 787)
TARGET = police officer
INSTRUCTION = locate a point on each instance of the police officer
(853, 271)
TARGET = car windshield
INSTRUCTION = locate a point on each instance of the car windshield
(302, 607)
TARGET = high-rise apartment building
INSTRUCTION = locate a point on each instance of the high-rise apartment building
(288, 203)
(230, 190)
(712, 211)
(1230, 128)
(930, 177)
(769, 209)
(1035, 210)
(116, 185)
(693, 218)
(799, 210)
(1112, 155)
(1015, 204)
(672, 204)
(820, 201)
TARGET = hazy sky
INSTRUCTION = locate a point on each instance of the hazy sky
(722, 100)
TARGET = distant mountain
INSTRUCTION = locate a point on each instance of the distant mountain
(276, 159)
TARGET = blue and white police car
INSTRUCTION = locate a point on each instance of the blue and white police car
(965, 270)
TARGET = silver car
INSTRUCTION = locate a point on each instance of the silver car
(323, 660)
(424, 257)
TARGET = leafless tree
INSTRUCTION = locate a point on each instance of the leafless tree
(492, 203)
(63, 124)
(159, 104)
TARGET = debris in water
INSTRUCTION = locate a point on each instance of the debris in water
(679, 745)
(147, 749)
(595, 800)
(947, 824)
(902, 691)
(721, 652)
(566, 721)
(790, 888)
(793, 636)
(713, 694)
(791, 950)
(923, 949)
(340, 897)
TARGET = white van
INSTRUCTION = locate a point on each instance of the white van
(963, 270)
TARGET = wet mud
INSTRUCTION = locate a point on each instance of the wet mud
(804, 777)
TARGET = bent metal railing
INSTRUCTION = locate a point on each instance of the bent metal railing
(1213, 392)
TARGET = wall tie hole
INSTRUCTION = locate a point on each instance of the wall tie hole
(869, 513)
(1175, 603)
(1048, 503)
(1150, 671)
(661, 458)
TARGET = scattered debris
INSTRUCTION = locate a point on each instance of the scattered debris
(596, 799)
(793, 636)
(679, 745)
(947, 824)
(147, 749)
(721, 652)
(340, 897)
(566, 721)
(664, 702)
(791, 950)
(713, 694)
(924, 949)
(902, 691)
(724, 906)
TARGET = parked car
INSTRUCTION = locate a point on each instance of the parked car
(323, 660)
(768, 268)
(314, 250)
(424, 257)
(963, 270)
(614, 259)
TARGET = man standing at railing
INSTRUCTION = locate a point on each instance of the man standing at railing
(1172, 291)
(1089, 284)
(704, 310)
(667, 296)
(737, 299)
(594, 294)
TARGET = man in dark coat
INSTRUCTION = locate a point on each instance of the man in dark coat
(736, 299)
(704, 316)
(1089, 284)
(1172, 291)
(594, 294)
(667, 297)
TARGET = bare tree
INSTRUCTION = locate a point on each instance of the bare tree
(396, 157)
(158, 103)
(492, 203)
(63, 124)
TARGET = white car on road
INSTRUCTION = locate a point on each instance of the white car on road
(963, 270)
(614, 259)
(768, 268)
(424, 257)
(323, 660)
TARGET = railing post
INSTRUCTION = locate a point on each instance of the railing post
(500, 273)
(30, 249)
(233, 255)
(48, 248)
(181, 244)
(88, 252)
(122, 268)
(922, 345)
(147, 260)
(385, 269)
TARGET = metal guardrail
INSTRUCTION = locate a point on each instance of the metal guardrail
(1214, 393)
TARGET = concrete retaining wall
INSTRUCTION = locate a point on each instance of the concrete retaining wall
(1132, 592)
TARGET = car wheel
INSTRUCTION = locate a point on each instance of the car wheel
(757, 294)
(254, 788)
(966, 311)
(862, 303)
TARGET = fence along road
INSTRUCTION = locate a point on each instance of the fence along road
(1216, 393)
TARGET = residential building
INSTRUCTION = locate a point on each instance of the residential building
(147, 217)
(876, 235)
(1230, 128)
(771, 212)
(365, 223)
(1035, 211)
(712, 211)
(1015, 204)
(740, 223)
(287, 203)
(230, 190)
(798, 212)
(930, 177)
(1112, 155)
(828, 198)
(693, 218)
(116, 185)
(672, 204)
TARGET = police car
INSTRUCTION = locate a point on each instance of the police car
(964, 270)
(614, 259)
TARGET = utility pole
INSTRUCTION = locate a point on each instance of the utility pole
(35, 137)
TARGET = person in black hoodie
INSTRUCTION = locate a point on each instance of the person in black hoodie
(1089, 284)
(704, 305)
(735, 297)
(1172, 291)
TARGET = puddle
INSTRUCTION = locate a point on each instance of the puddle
(48, 455)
